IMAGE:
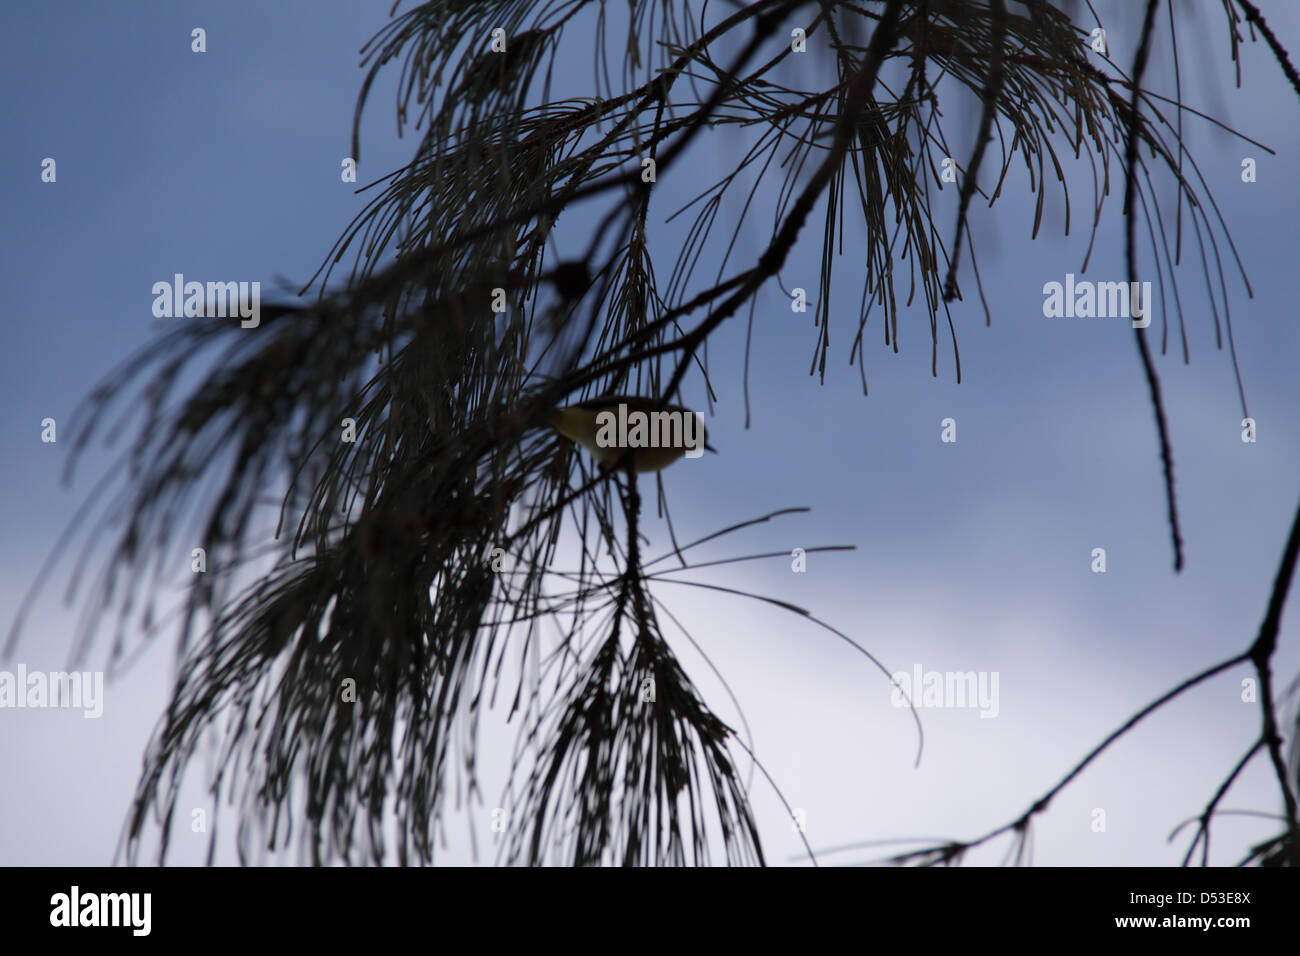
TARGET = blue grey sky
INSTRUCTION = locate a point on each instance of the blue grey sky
(970, 556)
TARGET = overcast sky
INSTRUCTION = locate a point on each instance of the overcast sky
(970, 556)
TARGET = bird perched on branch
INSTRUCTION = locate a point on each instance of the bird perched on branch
(631, 432)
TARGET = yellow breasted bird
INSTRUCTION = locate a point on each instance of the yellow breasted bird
(628, 430)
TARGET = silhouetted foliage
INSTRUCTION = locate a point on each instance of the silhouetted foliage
(426, 558)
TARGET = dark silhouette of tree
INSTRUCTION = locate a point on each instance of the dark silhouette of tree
(396, 421)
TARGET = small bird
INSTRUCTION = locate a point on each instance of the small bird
(571, 279)
(629, 431)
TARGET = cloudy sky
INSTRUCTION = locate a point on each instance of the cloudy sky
(971, 556)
